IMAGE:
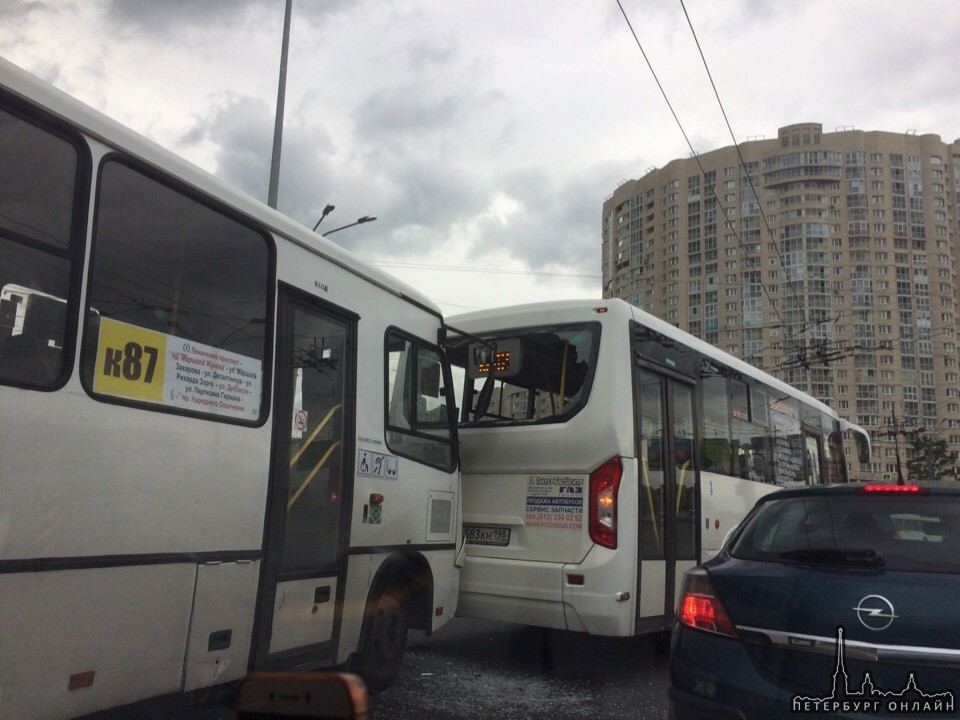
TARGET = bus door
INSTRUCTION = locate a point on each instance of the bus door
(668, 493)
(310, 492)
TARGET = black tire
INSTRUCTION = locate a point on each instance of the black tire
(384, 640)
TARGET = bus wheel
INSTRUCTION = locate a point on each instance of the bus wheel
(384, 641)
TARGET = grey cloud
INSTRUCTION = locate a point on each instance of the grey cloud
(417, 203)
(558, 223)
(308, 173)
(433, 193)
(439, 94)
(11, 10)
(162, 16)
(401, 111)
(416, 200)
(910, 78)
(16, 22)
(641, 13)
(241, 128)
(438, 51)
(750, 11)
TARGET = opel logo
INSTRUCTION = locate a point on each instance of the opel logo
(875, 612)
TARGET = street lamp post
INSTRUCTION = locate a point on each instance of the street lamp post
(360, 221)
(326, 211)
(274, 183)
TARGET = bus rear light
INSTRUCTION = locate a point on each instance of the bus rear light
(700, 607)
(604, 487)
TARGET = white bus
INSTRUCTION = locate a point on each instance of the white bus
(610, 453)
(225, 443)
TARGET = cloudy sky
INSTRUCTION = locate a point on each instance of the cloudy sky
(487, 134)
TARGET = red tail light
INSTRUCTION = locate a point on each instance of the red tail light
(604, 487)
(700, 607)
(893, 489)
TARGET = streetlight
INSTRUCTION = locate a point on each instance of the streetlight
(326, 211)
(360, 221)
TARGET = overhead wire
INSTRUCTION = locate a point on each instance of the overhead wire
(696, 156)
(743, 164)
(841, 353)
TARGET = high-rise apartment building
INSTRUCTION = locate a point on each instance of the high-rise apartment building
(826, 259)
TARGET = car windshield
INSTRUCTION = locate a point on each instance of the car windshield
(915, 534)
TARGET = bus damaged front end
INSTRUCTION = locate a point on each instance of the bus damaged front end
(546, 461)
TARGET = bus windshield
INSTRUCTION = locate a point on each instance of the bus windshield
(540, 374)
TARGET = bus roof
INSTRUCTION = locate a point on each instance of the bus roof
(108, 131)
(519, 315)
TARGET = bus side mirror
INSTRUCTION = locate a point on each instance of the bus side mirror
(863, 447)
(316, 696)
(483, 398)
(860, 438)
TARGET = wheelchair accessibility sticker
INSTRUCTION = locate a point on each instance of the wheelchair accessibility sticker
(378, 465)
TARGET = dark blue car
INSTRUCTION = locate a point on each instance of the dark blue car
(839, 601)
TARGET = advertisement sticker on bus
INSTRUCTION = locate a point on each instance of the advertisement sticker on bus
(555, 502)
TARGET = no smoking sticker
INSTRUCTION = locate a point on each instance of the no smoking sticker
(300, 420)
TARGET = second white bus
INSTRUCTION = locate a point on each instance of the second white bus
(611, 453)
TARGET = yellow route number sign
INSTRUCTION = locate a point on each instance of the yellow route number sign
(130, 361)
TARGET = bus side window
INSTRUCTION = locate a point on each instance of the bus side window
(176, 281)
(716, 425)
(33, 354)
(419, 420)
(40, 236)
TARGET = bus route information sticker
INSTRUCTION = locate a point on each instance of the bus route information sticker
(555, 501)
(141, 364)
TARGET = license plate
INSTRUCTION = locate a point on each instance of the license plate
(487, 535)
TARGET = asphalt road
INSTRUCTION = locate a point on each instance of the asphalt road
(480, 669)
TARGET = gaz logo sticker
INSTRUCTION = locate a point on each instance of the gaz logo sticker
(130, 361)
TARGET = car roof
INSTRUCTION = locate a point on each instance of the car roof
(858, 489)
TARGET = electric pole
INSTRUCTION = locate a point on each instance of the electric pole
(895, 432)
